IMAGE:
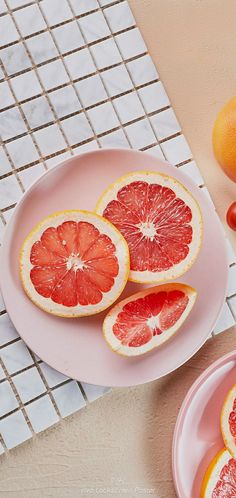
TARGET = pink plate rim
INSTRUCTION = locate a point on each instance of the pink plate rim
(184, 408)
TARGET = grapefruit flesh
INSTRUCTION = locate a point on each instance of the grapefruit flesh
(220, 478)
(74, 263)
(228, 421)
(160, 220)
(147, 319)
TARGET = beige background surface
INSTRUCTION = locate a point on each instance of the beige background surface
(123, 441)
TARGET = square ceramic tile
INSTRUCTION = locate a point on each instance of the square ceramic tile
(15, 58)
(176, 150)
(119, 17)
(11, 123)
(103, 117)
(140, 134)
(68, 37)
(14, 430)
(50, 140)
(17, 3)
(80, 64)
(1, 71)
(65, 101)
(42, 47)
(2, 304)
(2, 374)
(26, 85)
(106, 54)
(10, 191)
(29, 384)
(231, 289)
(53, 74)
(193, 171)
(142, 70)
(131, 43)
(22, 151)
(103, 3)
(84, 6)
(91, 90)
(94, 26)
(5, 166)
(56, 12)
(29, 20)
(230, 252)
(117, 80)
(91, 145)
(52, 376)
(8, 214)
(41, 413)
(8, 400)
(165, 124)
(53, 161)
(156, 152)
(8, 30)
(115, 139)
(16, 356)
(94, 392)
(77, 129)
(128, 107)
(3, 7)
(232, 304)
(207, 194)
(2, 230)
(154, 97)
(29, 175)
(7, 330)
(6, 97)
(69, 398)
(37, 112)
(225, 320)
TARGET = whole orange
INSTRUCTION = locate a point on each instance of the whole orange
(224, 138)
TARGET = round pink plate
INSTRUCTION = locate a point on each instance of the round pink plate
(197, 436)
(76, 347)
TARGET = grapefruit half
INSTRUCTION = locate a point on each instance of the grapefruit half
(160, 220)
(228, 421)
(220, 477)
(74, 263)
(147, 319)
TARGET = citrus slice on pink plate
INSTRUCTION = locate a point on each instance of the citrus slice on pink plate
(160, 220)
(228, 421)
(220, 477)
(148, 318)
(74, 263)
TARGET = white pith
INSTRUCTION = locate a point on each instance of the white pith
(225, 428)
(74, 261)
(223, 459)
(196, 223)
(153, 322)
(156, 340)
(147, 229)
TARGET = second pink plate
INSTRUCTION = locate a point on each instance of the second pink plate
(197, 437)
(76, 347)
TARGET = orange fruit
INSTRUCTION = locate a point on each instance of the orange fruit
(224, 138)
(160, 220)
(228, 421)
(74, 263)
(220, 477)
(148, 319)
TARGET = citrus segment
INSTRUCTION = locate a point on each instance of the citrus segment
(160, 221)
(220, 478)
(228, 421)
(74, 263)
(148, 319)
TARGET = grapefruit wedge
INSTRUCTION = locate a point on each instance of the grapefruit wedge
(228, 421)
(160, 220)
(74, 263)
(147, 319)
(220, 477)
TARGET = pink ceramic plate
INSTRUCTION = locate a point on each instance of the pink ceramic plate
(197, 437)
(76, 347)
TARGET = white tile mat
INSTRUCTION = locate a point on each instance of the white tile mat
(69, 65)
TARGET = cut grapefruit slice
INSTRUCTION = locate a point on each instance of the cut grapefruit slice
(160, 220)
(228, 421)
(220, 477)
(74, 263)
(147, 319)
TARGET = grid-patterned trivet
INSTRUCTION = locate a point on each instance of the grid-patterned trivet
(75, 75)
